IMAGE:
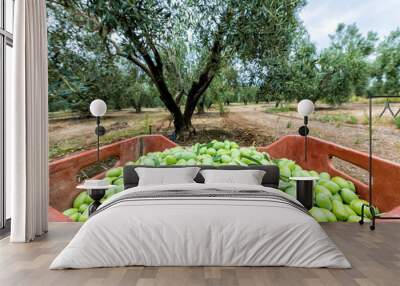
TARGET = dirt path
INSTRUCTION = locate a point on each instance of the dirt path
(386, 142)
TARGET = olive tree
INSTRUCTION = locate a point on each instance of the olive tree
(146, 33)
(344, 65)
(386, 68)
(331, 75)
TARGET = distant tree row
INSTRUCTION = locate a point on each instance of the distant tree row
(353, 64)
(190, 54)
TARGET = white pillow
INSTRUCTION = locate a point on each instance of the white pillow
(248, 177)
(166, 176)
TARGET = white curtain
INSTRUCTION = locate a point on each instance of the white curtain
(26, 124)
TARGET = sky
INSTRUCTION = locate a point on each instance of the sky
(321, 17)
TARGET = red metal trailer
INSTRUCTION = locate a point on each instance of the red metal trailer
(386, 174)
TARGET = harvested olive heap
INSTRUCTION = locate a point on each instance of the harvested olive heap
(335, 199)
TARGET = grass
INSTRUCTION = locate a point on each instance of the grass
(120, 135)
(61, 114)
(70, 146)
(352, 120)
(147, 124)
(62, 149)
(279, 109)
(119, 125)
(337, 118)
(365, 120)
(397, 122)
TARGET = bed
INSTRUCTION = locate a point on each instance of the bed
(197, 224)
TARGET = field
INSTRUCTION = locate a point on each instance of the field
(251, 124)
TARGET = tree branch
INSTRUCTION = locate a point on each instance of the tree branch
(146, 57)
(157, 56)
(140, 64)
(133, 58)
(179, 96)
(208, 73)
(206, 76)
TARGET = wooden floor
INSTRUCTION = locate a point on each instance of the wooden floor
(375, 257)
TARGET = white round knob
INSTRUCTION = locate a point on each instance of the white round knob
(305, 107)
(98, 107)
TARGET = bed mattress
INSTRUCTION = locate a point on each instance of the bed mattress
(201, 225)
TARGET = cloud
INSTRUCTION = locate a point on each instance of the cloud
(321, 17)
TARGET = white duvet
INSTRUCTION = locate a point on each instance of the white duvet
(200, 231)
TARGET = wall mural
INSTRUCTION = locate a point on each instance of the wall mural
(220, 80)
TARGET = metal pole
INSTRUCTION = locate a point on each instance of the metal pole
(305, 148)
(98, 138)
(370, 152)
(305, 137)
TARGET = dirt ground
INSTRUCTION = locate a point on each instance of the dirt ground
(257, 125)
(69, 135)
(386, 143)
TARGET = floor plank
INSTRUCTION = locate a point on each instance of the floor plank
(375, 257)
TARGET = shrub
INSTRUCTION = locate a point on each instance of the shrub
(397, 122)
(278, 109)
(352, 120)
(338, 118)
